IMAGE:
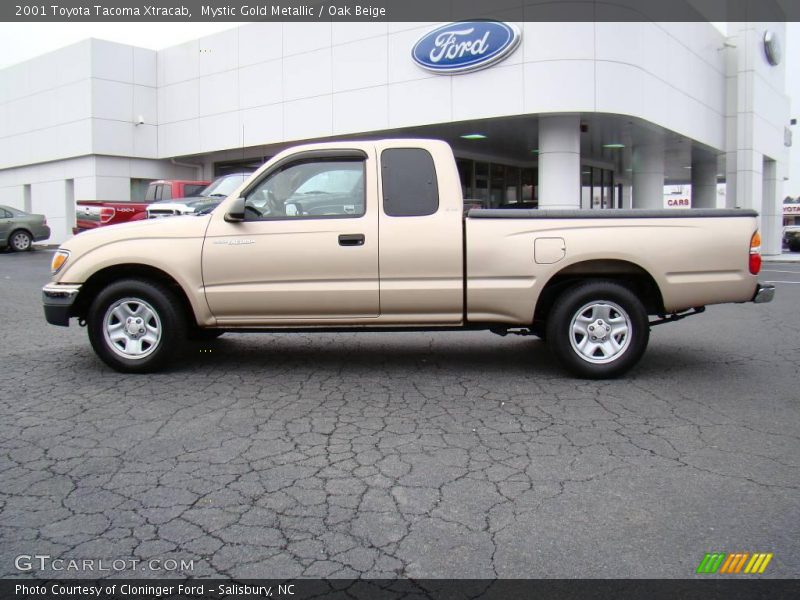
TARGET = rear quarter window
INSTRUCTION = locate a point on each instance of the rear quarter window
(410, 187)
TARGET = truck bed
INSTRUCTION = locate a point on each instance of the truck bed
(695, 257)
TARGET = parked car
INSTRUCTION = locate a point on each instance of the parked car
(791, 237)
(203, 202)
(19, 229)
(91, 214)
(388, 248)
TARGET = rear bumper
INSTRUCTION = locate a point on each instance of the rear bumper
(765, 292)
(41, 234)
(58, 301)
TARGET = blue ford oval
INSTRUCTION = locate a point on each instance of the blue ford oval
(465, 46)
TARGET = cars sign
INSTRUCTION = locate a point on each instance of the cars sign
(465, 46)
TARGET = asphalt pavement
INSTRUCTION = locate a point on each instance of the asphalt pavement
(400, 455)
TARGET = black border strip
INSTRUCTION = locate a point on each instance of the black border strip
(732, 588)
(397, 10)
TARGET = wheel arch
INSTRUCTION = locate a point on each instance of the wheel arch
(624, 272)
(113, 273)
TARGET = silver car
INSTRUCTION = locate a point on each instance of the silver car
(19, 229)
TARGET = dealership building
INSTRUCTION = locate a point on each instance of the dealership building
(588, 115)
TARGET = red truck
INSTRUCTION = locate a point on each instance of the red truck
(98, 213)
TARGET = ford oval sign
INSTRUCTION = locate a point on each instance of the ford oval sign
(465, 46)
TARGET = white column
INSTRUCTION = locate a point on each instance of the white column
(648, 175)
(771, 209)
(704, 184)
(559, 162)
(627, 197)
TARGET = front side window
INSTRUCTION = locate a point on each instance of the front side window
(327, 188)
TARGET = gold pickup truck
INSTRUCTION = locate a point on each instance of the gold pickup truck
(371, 236)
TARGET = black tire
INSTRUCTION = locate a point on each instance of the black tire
(794, 246)
(151, 307)
(198, 334)
(614, 314)
(20, 241)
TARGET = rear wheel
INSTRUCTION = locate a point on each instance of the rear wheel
(135, 326)
(598, 329)
(20, 241)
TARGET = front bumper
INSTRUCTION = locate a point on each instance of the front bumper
(58, 300)
(765, 292)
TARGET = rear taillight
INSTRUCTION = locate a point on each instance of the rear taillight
(755, 253)
(106, 214)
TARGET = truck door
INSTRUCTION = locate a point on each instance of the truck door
(307, 249)
(421, 258)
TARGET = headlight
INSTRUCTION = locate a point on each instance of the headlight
(59, 258)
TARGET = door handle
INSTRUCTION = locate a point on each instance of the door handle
(351, 239)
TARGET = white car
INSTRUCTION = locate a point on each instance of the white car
(209, 198)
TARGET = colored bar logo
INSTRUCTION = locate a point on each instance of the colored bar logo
(734, 564)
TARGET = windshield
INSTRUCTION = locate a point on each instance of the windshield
(224, 186)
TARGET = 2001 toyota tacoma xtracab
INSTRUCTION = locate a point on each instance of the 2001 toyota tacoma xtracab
(372, 236)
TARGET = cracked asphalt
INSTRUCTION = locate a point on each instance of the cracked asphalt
(458, 455)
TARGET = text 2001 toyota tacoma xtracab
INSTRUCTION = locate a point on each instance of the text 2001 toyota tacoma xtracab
(371, 236)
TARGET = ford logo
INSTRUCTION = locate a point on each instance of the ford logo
(465, 46)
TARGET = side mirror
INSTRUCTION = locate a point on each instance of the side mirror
(235, 213)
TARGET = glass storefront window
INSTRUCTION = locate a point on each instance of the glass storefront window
(465, 174)
(586, 188)
(491, 185)
(511, 195)
(598, 189)
(497, 187)
(528, 183)
(481, 189)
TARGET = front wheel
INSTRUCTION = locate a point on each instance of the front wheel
(598, 329)
(135, 326)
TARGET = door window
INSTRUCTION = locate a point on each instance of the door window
(310, 189)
